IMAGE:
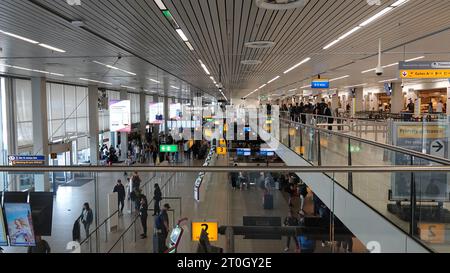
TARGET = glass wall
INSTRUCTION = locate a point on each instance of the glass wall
(24, 115)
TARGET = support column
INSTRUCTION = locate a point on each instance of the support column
(9, 102)
(166, 105)
(93, 124)
(359, 95)
(142, 116)
(155, 127)
(397, 100)
(123, 135)
(40, 129)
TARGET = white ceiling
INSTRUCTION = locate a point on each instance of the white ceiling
(218, 29)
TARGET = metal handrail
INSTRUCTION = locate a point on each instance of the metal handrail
(136, 218)
(219, 169)
(109, 217)
(432, 158)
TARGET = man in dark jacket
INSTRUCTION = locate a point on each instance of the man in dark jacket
(120, 189)
(328, 113)
(157, 197)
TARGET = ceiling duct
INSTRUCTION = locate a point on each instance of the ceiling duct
(280, 4)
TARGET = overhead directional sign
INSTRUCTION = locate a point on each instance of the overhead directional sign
(437, 148)
(26, 160)
(320, 84)
(424, 70)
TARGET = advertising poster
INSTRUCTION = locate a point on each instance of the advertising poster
(175, 111)
(20, 224)
(120, 116)
(156, 113)
(430, 138)
(3, 239)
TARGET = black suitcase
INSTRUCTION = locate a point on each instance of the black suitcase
(268, 201)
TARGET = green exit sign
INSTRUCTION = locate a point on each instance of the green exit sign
(168, 148)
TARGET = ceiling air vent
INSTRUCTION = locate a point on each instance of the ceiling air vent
(251, 62)
(280, 4)
(260, 44)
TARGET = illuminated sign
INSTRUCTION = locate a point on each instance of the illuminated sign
(211, 228)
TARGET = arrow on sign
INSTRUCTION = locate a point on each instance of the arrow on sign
(438, 146)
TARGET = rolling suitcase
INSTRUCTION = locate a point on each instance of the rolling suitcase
(268, 201)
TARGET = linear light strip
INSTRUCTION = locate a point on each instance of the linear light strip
(366, 22)
(297, 65)
(89, 80)
(274, 79)
(390, 80)
(32, 70)
(52, 48)
(393, 64)
(340, 78)
(155, 81)
(114, 67)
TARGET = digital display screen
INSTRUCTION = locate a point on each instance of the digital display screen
(267, 152)
(3, 239)
(243, 151)
(175, 235)
(20, 224)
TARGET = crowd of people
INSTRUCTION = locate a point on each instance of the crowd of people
(298, 111)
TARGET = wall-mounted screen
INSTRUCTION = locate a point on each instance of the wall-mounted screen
(243, 151)
(120, 116)
(41, 204)
(20, 224)
(156, 113)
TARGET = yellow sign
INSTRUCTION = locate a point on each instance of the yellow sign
(432, 233)
(292, 131)
(417, 131)
(425, 74)
(221, 150)
(222, 142)
(211, 228)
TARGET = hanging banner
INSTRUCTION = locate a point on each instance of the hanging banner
(120, 116)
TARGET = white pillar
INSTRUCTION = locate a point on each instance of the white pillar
(40, 129)
(359, 96)
(11, 131)
(142, 116)
(93, 124)
(166, 104)
(397, 99)
(123, 135)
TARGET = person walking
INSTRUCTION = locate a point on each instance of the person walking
(302, 192)
(143, 208)
(291, 221)
(87, 217)
(135, 181)
(120, 189)
(41, 246)
(162, 227)
(157, 197)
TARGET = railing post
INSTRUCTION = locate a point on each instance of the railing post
(319, 157)
(90, 244)
(350, 174)
(135, 231)
(289, 135)
(97, 241)
(123, 245)
(413, 223)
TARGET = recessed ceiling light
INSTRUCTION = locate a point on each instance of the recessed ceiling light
(155, 81)
(19, 37)
(204, 67)
(129, 87)
(115, 68)
(376, 16)
(175, 87)
(297, 65)
(340, 78)
(182, 35)
(89, 80)
(399, 3)
(188, 44)
(356, 85)
(259, 44)
(274, 79)
(52, 48)
(160, 4)
(415, 59)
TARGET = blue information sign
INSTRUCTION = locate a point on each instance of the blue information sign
(320, 84)
(26, 159)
